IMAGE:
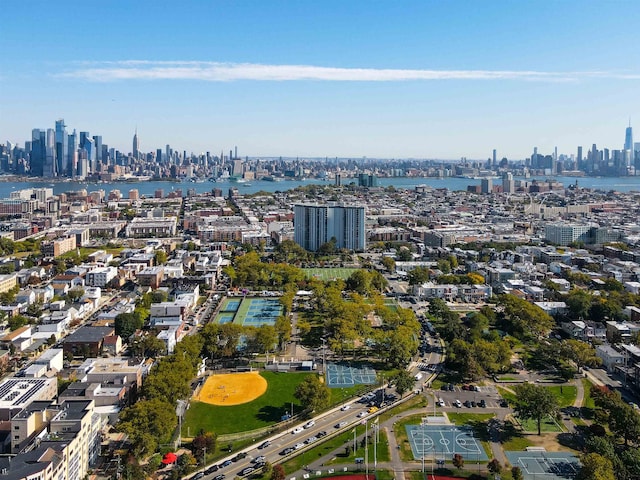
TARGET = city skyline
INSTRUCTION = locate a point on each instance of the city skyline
(420, 80)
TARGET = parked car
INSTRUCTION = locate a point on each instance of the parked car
(458, 403)
(483, 404)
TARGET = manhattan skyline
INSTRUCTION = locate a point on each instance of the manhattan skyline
(420, 79)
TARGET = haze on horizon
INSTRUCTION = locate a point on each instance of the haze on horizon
(421, 79)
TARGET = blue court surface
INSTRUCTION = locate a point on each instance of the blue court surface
(231, 306)
(340, 376)
(547, 465)
(262, 311)
(443, 441)
(225, 318)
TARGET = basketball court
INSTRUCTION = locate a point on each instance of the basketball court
(340, 376)
(443, 441)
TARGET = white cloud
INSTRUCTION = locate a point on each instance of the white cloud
(226, 72)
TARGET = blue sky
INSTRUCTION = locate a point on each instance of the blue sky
(441, 79)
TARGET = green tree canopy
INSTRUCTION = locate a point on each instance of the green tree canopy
(147, 424)
(595, 467)
(403, 381)
(535, 402)
(313, 393)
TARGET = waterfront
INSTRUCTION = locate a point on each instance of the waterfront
(148, 188)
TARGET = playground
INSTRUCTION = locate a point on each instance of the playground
(232, 388)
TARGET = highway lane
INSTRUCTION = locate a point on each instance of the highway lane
(346, 418)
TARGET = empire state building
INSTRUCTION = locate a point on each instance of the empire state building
(136, 145)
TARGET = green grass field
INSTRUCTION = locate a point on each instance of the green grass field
(469, 418)
(547, 425)
(325, 274)
(261, 412)
(566, 394)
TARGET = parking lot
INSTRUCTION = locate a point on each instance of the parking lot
(489, 394)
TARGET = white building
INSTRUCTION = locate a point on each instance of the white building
(100, 277)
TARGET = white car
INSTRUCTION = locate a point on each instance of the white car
(362, 414)
(298, 446)
(309, 424)
(297, 430)
(345, 408)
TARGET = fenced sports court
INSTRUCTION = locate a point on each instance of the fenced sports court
(249, 311)
(444, 441)
(548, 465)
(340, 376)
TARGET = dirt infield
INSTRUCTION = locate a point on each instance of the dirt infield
(232, 388)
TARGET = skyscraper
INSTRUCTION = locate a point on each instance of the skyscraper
(136, 145)
(37, 154)
(628, 137)
(62, 148)
(495, 158)
(628, 145)
(72, 163)
(315, 225)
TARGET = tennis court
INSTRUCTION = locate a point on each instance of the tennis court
(250, 311)
(547, 465)
(443, 441)
(340, 376)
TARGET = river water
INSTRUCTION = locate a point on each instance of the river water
(148, 188)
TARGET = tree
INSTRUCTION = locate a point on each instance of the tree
(161, 257)
(418, 275)
(403, 381)
(204, 442)
(535, 402)
(458, 461)
(75, 294)
(516, 473)
(16, 321)
(278, 473)
(312, 393)
(595, 467)
(127, 323)
(389, 263)
(523, 319)
(404, 254)
(148, 423)
(494, 466)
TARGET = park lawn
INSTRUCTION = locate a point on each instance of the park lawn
(85, 251)
(547, 425)
(385, 475)
(263, 411)
(382, 451)
(512, 439)
(566, 394)
(339, 395)
(296, 463)
(506, 394)
(326, 274)
(400, 431)
(469, 418)
(587, 401)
